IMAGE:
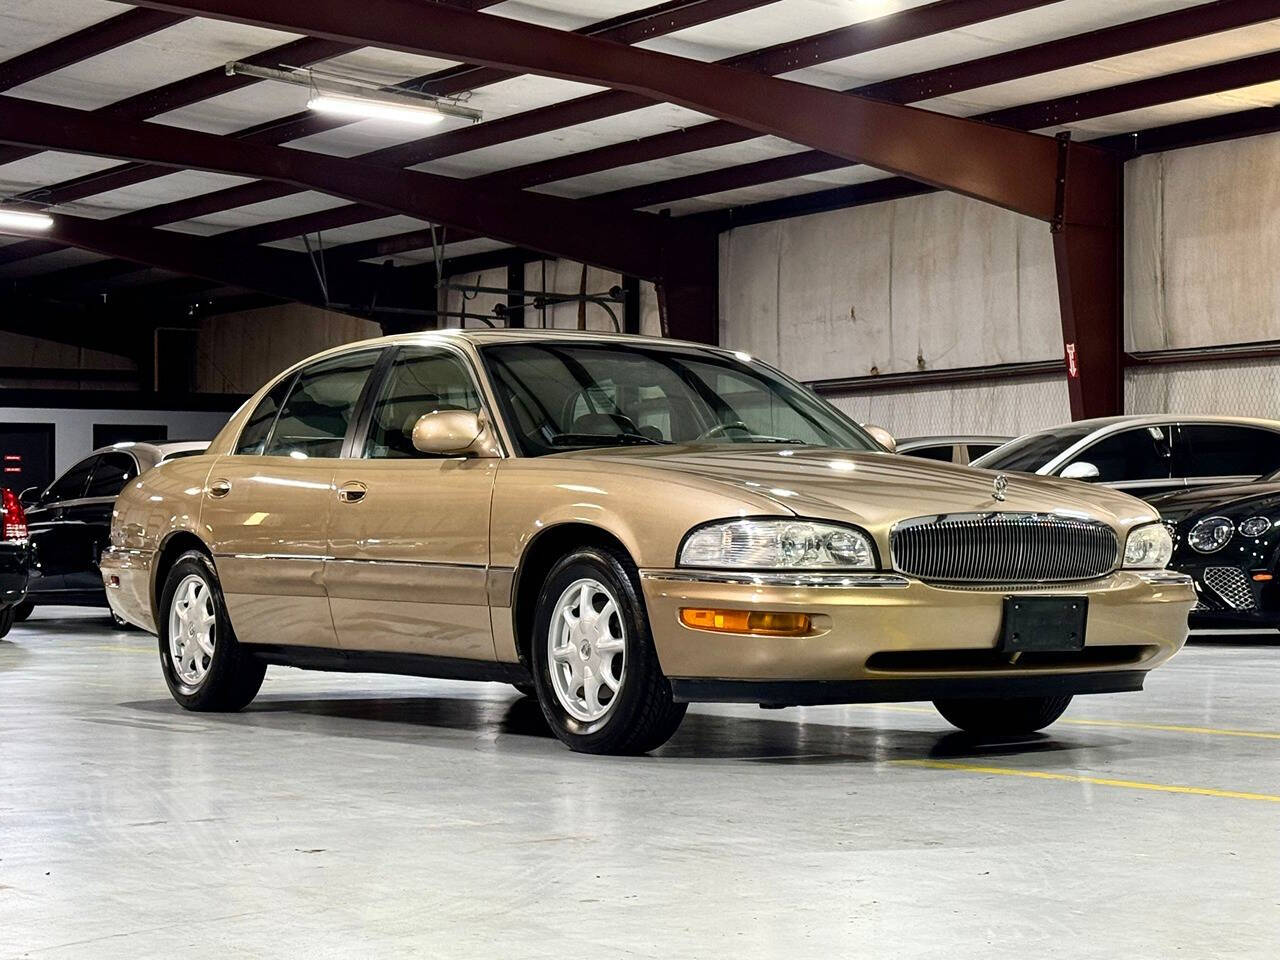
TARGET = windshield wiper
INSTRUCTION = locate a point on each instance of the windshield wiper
(602, 440)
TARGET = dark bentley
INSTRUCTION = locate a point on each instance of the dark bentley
(1228, 539)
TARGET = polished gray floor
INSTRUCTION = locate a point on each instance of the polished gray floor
(371, 817)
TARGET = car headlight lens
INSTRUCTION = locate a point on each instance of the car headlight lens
(1149, 547)
(1210, 534)
(1254, 527)
(774, 544)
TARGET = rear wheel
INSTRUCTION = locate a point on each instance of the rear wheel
(596, 671)
(22, 611)
(1007, 716)
(203, 663)
(6, 620)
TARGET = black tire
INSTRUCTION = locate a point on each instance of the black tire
(233, 677)
(22, 611)
(7, 616)
(642, 716)
(1002, 717)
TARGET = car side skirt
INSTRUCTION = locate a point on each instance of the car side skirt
(402, 664)
(796, 693)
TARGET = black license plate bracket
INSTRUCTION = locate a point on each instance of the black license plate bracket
(1043, 624)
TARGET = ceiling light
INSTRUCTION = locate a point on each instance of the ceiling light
(368, 108)
(22, 220)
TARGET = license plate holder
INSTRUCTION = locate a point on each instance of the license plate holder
(1043, 624)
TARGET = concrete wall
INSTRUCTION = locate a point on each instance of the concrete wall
(239, 352)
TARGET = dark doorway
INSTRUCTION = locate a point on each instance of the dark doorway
(105, 434)
(26, 455)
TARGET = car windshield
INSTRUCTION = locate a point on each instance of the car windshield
(1028, 454)
(567, 396)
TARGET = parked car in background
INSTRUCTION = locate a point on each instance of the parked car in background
(70, 522)
(1145, 456)
(957, 449)
(627, 525)
(14, 557)
(1228, 540)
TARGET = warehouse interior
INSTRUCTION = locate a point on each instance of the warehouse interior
(945, 217)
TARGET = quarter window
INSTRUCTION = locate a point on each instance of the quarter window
(419, 382)
(110, 474)
(314, 420)
(1223, 450)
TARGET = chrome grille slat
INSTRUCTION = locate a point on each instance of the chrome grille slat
(1232, 585)
(1003, 548)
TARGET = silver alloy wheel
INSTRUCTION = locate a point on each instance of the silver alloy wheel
(191, 630)
(587, 650)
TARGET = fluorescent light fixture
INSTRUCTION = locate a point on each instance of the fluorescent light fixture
(367, 108)
(22, 220)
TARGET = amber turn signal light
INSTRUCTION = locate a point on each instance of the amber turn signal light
(1262, 577)
(748, 621)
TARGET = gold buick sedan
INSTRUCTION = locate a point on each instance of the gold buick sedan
(621, 526)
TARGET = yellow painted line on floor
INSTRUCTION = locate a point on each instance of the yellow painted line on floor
(1121, 724)
(1096, 781)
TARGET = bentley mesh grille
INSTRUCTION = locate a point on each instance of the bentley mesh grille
(1003, 548)
(1231, 584)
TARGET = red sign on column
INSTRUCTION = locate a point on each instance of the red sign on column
(1073, 368)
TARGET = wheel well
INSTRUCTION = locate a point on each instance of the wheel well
(174, 547)
(545, 549)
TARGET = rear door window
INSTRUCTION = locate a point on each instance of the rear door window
(70, 486)
(110, 474)
(1226, 450)
(945, 453)
(315, 418)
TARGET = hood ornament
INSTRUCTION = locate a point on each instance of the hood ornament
(999, 486)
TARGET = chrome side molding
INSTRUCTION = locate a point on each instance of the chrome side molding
(849, 580)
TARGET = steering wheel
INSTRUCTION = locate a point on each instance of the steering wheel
(721, 428)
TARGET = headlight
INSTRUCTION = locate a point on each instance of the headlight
(1210, 534)
(1254, 527)
(1149, 547)
(774, 544)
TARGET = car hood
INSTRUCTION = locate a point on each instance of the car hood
(1251, 497)
(874, 490)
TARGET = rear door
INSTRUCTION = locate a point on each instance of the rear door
(88, 520)
(55, 548)
(1210, 454)
(267, 505)
(409, 534)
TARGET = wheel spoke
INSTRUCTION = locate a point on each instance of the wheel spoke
(586, 649)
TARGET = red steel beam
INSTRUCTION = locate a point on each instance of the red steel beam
(89, 42)
(637, 243)
(1009, 168)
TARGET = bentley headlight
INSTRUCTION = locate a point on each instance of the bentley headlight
(1210, 534)
(1149, 547)
(1254, 527)
(778, 544)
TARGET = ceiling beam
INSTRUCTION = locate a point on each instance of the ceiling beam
(89, 42)
(1009, 168)
(637, 243)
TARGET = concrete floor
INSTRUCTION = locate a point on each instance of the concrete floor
(355, 816)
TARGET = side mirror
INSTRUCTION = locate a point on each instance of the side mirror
(454, 433)
(881, 436)
(1080, 470)
(29, 496)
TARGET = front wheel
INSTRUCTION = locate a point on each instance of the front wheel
(7, 616)
(1008, 716)
(596, 671)
(204, 665)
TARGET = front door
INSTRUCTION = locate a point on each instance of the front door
(267, 506)
(409, 534)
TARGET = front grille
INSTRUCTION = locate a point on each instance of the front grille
(1230, 584)
(1003, 548)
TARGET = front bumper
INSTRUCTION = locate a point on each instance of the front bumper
(15, 563)
(886, 637)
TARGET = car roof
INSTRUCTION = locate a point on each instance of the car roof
(152, 453)
(1162, 419)
(942, 440)
(486, 336)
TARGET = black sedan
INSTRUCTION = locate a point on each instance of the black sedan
(14, 557)
(1228, 539)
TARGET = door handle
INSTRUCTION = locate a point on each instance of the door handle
(219, 488)
(352, 492)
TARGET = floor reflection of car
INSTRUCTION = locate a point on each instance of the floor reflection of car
(623, 526)
(1228, 540)
(70, 521)
(1146, 455)
(950, 449)
(13, 557)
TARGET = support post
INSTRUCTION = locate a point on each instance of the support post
(1088, 255)
(689, 286)
(630, 304)
(515, 294)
